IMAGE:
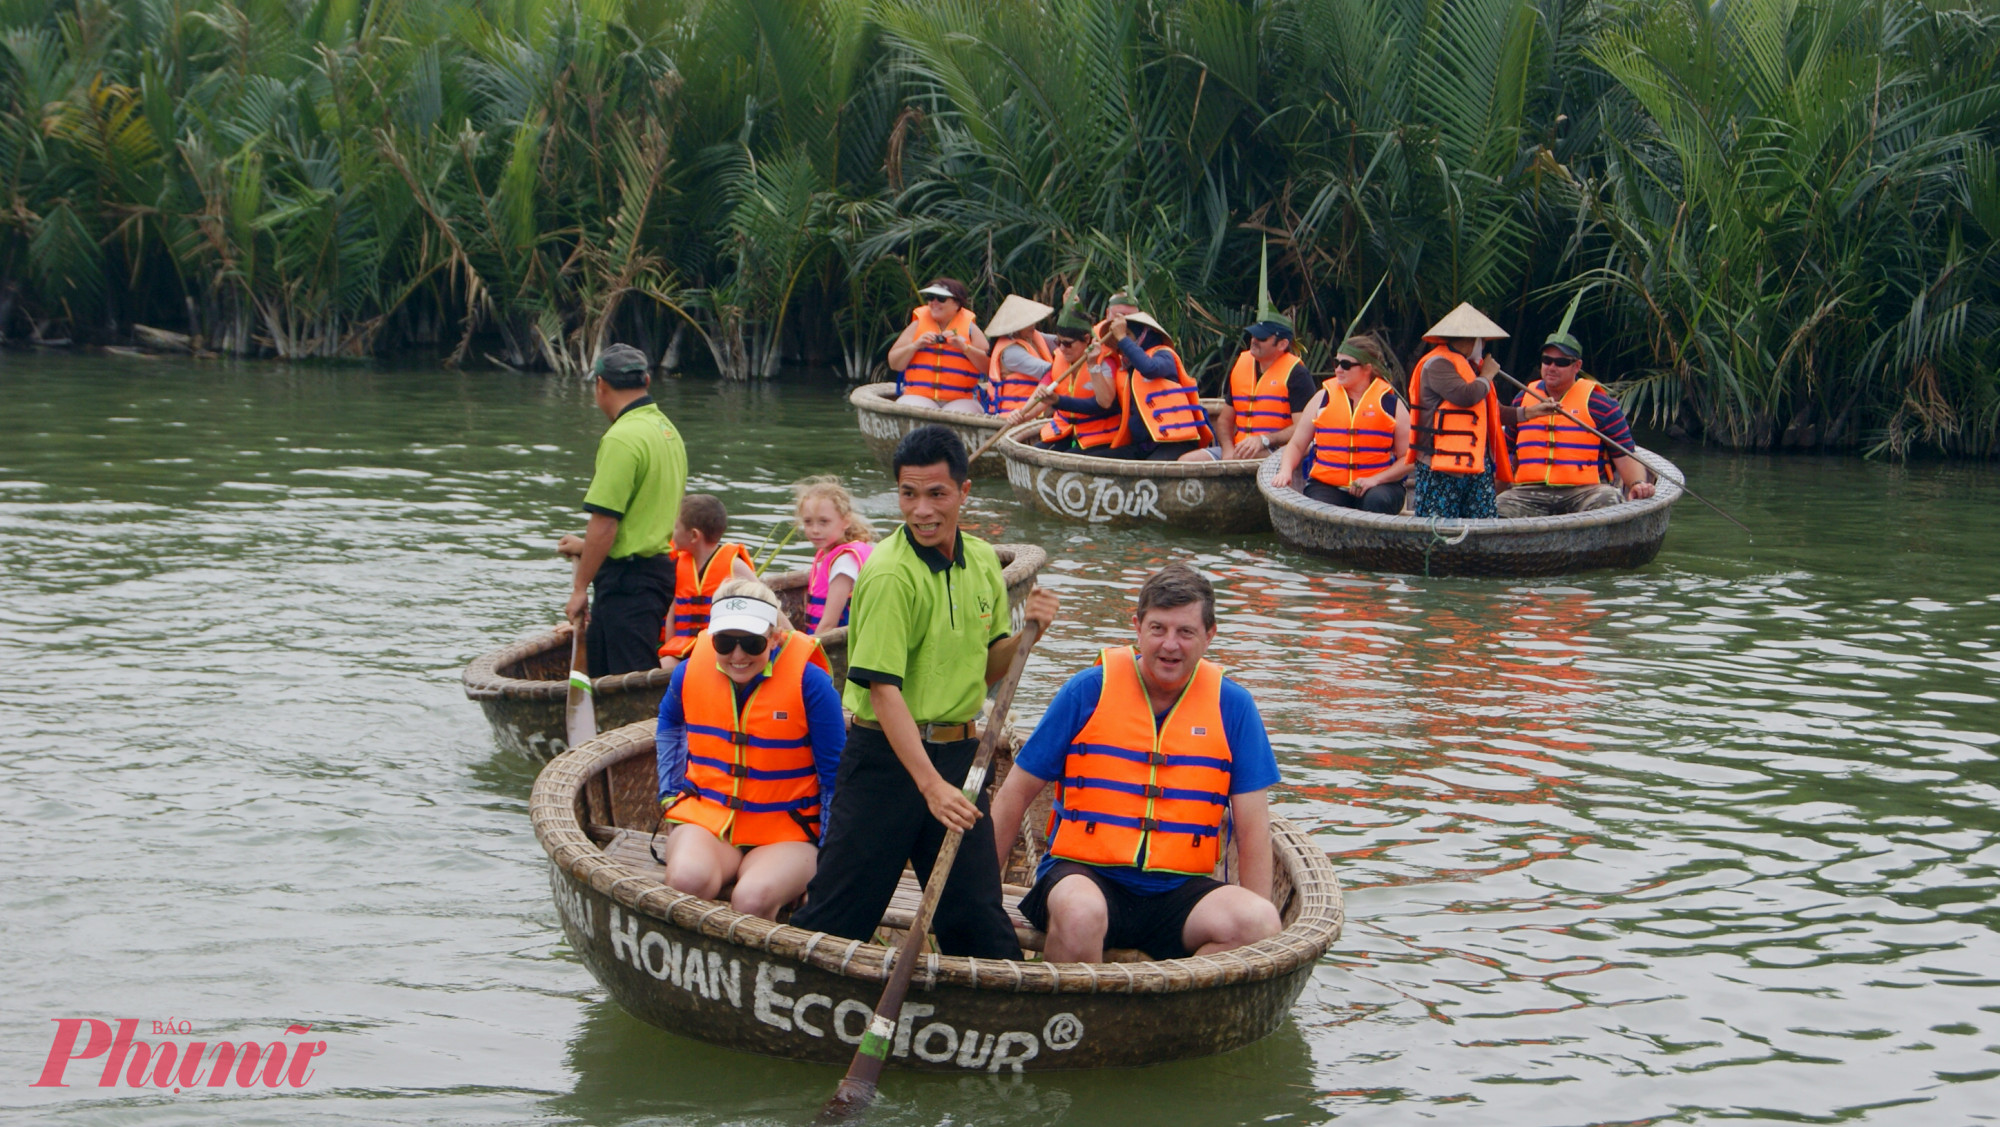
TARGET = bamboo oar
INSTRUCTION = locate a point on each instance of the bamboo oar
(857, 1088)
(1633, 453)
(581, 713)
(779, 547)
(1014, 417)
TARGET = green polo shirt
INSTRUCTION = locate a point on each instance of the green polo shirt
(642, 470)
(923, 622)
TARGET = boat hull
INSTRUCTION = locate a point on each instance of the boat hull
(1200, 496)
(698, 969)
(1624, 536)
(884, 422)
(522, 688)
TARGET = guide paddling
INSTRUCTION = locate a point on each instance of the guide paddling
(857, 1088)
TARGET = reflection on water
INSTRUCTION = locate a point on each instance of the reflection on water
(1711, 840)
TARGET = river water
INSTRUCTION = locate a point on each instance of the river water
(1713, 840)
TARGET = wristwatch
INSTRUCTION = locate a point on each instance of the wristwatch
(1266, 440)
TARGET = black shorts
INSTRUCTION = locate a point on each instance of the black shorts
(1152, 924)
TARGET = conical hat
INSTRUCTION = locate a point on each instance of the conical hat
(1465, 321)
(1147, 320)
(1015, 314)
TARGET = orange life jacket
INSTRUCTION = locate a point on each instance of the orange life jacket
(1552, 450)
(750, 773)
(1352, 439)
(940, 371)
(1462, 438)
(694, 589)
(1133, 793)
(1171, 407)
(1090, 433)
(1259, 398)
(1007, 390)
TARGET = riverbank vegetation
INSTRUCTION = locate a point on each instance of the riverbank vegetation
(1782, 212)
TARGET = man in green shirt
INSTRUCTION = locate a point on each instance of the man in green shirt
(633, 501)
(928, 632)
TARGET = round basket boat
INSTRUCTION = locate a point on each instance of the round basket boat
(884, 422)
(699, 969)
(522, 687)
(1204, 496)
(1624, 535)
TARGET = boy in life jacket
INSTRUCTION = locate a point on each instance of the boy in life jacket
(1457, 443)
(940, 355)
(1022, 358)
(1080, 399)
(842, 540)
(702, 561)
(1161, 415)
(1157, 757)
(749, 739)
(1559, 465)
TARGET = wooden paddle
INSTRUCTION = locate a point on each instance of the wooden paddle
(1017, 416)
(857, 1088)
(581, 713)
(1633, 454)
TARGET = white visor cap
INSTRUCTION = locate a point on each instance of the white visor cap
(743, 615)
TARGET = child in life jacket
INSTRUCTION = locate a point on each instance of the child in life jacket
(841, 540)
(702, 562)
(749, 739)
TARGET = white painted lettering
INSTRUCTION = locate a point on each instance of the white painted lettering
(625, 943)
(732, 985)
(806, 1002)
(694, 976)
(768, 1000)
(1028, 1044)
(906, 1017)
(920, 1043)
(840, 1013)
(654, 941)
(972, 1053)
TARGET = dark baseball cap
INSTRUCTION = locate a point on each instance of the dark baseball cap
(1275, 325)
(622, 366)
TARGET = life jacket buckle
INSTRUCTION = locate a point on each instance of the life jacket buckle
(1157, 758)
(1153, 791)
(739, 770)
(735, 802)
(1149, 824)
(740, 739)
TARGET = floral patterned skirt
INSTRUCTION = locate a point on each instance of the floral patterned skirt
(1454, 496)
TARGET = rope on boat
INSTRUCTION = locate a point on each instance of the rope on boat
(1464, 530)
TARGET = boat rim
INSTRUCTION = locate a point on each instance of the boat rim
(552, 808)
(484, 681)
(1298, 504)
(885, 404)
(1015, 450)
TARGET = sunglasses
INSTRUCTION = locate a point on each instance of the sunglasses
(752, 644)
(1559, 362)
(1344, 364)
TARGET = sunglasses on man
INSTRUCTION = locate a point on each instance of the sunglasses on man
(729, 643)
(1560, 361)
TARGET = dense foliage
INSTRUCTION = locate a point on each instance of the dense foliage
(1782, 212)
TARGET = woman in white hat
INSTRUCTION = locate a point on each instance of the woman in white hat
(1022, 358)
(1162, 413)
(941, 355)
(1458, 445)
(749, 739)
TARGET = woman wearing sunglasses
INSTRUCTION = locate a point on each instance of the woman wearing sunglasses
(1355, 446)
(750, 735)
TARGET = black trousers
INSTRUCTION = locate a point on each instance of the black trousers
(1378, 499)
(630, 600)
(1158, 452)
(879, 820)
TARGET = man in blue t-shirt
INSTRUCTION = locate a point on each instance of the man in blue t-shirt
(1159, 758)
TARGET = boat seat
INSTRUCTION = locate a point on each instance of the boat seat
(632, 849)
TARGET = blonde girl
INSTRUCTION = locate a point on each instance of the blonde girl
(841, 540)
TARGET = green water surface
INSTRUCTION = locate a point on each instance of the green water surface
(1710, 841)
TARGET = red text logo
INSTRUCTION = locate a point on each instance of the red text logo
(176, 1064)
